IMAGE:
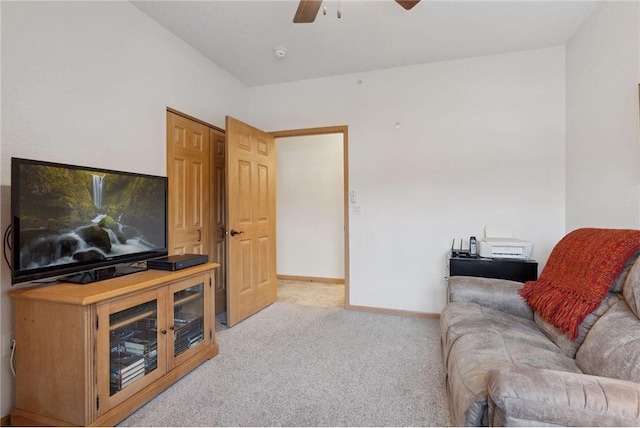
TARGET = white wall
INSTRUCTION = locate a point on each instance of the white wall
(481, 141)
(88, 83)
(603, 137)
(310, 206)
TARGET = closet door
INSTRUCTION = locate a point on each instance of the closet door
(188, 169)
(218, 208)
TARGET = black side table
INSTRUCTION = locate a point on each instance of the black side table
(513, 269)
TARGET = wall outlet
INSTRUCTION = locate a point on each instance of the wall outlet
(6, 344)
(357, 209)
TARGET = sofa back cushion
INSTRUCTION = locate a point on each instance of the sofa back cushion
(631, 289)
(619, 283)
(612, 346)
(570, 347)
(579, 273)
(630, 273)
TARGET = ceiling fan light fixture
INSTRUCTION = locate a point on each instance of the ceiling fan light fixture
(279, 52)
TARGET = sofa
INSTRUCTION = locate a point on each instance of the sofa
(509, 362)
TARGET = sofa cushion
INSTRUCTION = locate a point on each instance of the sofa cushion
(476, 339)
(521, 396)
(612, 346)
(578, 275)
(621, 280)
(568, 346)
(631, 289)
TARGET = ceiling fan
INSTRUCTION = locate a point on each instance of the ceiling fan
(308, 9)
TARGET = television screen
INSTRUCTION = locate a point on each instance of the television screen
(68, 219)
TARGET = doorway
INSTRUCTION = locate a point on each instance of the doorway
(312, 216)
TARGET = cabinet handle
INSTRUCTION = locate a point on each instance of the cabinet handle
(163, 331)
(171, 327)
(199, 235)
(235, 232)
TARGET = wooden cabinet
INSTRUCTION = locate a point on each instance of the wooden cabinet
(93, 354)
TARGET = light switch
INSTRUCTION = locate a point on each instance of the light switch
(354, 196)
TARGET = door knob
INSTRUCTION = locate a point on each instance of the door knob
(235, 232)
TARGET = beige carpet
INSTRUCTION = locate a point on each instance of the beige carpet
(320, 294)
(295, 365)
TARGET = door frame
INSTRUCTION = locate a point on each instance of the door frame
(344, 130)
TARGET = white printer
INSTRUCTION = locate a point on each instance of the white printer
(499, 243)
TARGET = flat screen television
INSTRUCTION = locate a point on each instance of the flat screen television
(86, 223)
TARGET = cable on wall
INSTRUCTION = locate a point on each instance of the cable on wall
(6, 243)
(13, 353)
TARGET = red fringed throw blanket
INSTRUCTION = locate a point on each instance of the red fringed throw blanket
(578, 275)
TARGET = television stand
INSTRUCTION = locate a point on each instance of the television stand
(90, 355)
(101, 274)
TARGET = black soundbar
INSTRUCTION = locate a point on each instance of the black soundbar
(178, 262)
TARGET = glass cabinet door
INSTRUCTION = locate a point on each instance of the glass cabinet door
(131, 346)
(190, 316)
(133, 341)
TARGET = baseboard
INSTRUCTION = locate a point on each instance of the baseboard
(311, 279)
(399, 312)
(5, 421)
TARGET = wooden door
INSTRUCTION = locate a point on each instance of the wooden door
(251, 220)
(219, 208)
(188, 160)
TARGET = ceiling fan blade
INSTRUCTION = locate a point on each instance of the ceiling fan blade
(307, 11)
(407, 4)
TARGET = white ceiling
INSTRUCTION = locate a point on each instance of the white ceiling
(240, 36)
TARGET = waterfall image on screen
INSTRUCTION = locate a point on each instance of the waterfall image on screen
(69, 215)
(98, 180)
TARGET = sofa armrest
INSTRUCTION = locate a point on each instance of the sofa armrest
(500, 294)
(524, 396)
